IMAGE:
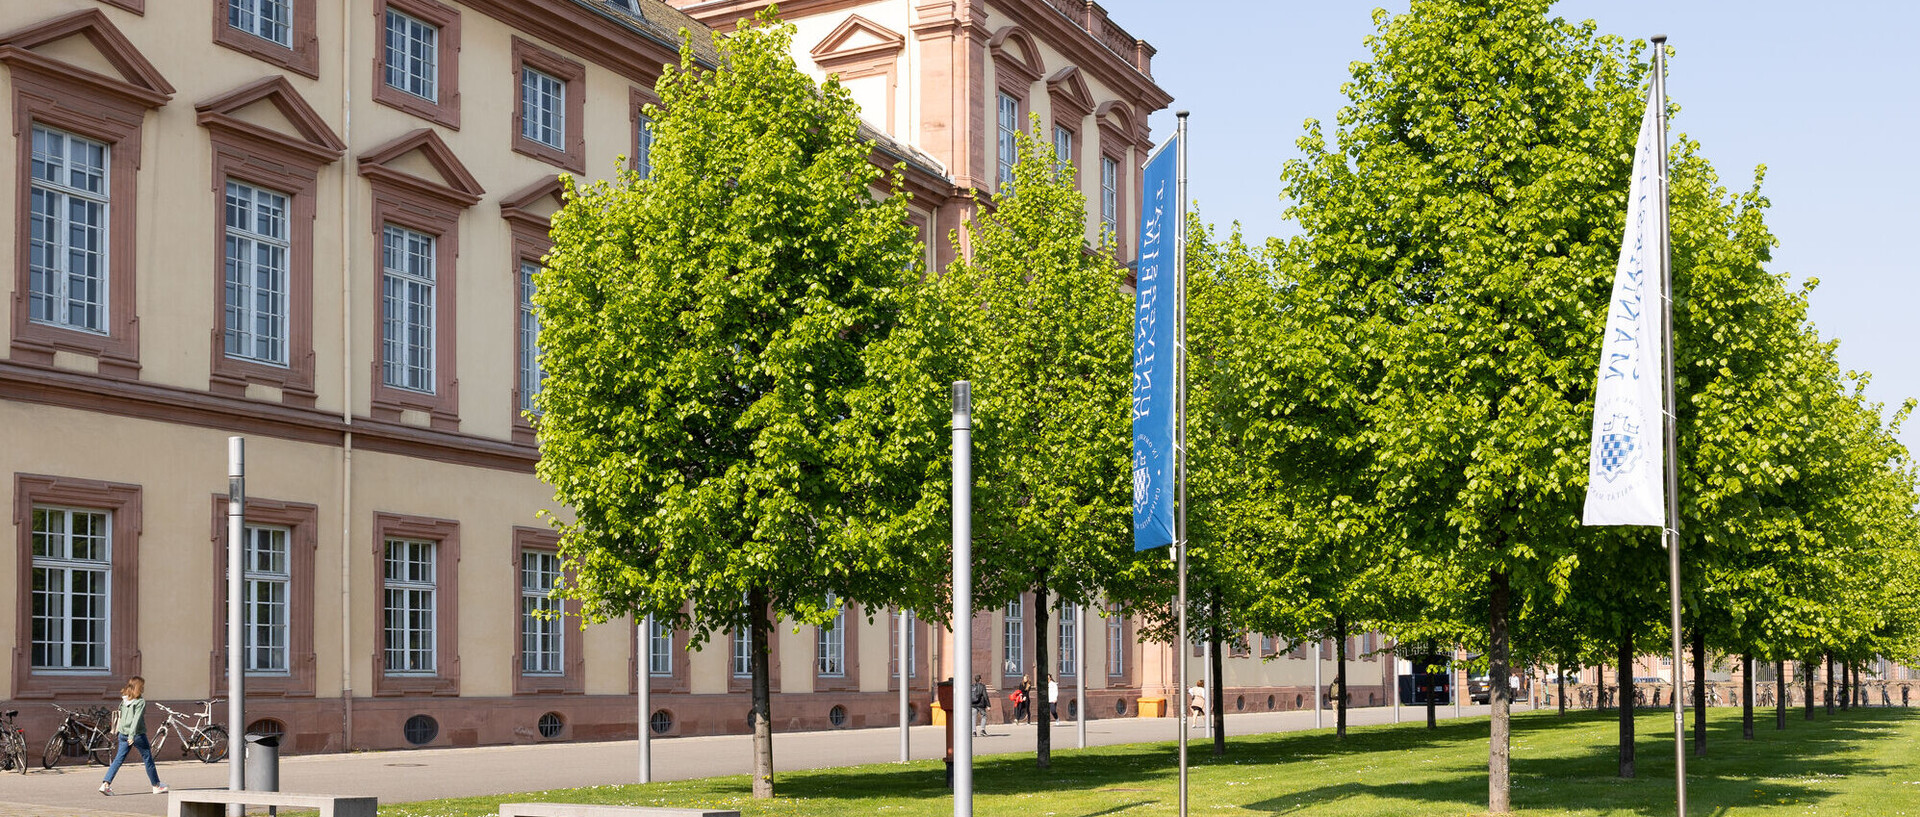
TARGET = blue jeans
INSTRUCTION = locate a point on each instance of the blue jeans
(121, 745)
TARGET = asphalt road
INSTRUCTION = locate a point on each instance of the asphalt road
(424, 774)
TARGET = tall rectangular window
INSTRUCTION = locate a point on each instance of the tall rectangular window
(412, 592)
(543, 108)
(659, 647)
(1009, 150)
(531, 375)
(408, 289)
(67, 252)
(72, 560)
(1109, 196)
(1013, 645)
(1116, 642)
(413, 56)
(540, 635)
(742, 653)
(257, 274)
(268, 574)
(1069, 631)
(270, 20)
(913, 645)
(830, 641)
(1062, 146)
(643, 145)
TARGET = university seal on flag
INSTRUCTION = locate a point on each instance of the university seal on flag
(1619, 441)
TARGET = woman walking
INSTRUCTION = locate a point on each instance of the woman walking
(132, 731)
(1023, 701)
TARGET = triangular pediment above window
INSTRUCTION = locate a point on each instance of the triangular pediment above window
(535, 204)
(85, 47)
(1068, 88)
(857, 39)
(422, 161)
(271, 110)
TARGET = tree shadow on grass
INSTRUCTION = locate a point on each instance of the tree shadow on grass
(1793, 767)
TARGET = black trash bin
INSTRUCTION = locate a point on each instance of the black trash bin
(262, 762)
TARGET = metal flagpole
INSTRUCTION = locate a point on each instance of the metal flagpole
(236, 627)
(962, 599)
(906, 632)
(643, 641)
(1672, 533)
(1180, 440)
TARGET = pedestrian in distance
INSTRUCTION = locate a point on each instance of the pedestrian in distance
(1197, 699)
(1023, 701)
(980, 703)
(131, 733)
(1053, 699)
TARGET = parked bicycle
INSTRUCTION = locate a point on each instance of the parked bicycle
(13, 743)
(199, 735)
(86, 734)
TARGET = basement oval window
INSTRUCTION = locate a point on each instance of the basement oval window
(837, 715)
(551, 725)
(661, 722)
(420, 730)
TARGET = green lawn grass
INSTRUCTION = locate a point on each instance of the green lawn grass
(1863, 762)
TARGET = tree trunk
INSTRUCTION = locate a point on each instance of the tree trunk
(1042, 671)
(1829, 695)
(1217, 696)
(1746, 696)
(1625, 702)
(1431, 649)
(1809, 666)
(1780, 693)
(1848, 679)
(1340, 677)
(1560, 695)
(1699, 691)
(1499, 754)
(758, 627)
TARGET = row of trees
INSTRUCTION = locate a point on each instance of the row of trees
(746, 404)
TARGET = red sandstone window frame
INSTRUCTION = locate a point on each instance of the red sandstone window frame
(849, 678)
(573, 78)
(573, 661)
(677, 681)
(302, 57)
(445, 109)
(123, 648)
(528, 242)
(637, 101)
(289, 165)
(445, 534)
(111, 110)
(744, 683)
(302, 521)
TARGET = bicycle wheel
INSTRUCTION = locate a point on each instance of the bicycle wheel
(20, 752)
(209, 744)
(56, 746)
(100, 751)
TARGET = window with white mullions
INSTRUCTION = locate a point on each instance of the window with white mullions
(267, 576)
(540, 636)
(411, 601)
(257, 274)
(1109, 196)
(831, 643)
(659, 648)
(1069, 636)
(67, 244)
(1062, 146)
(643, 146)
(742, 653)
(72, 561)
(1014, 639)
(408, 291)
(913, 644)
(543, 107)
(269, 20)
(531, 375)
(1009, 149)
(413, 56)
(1116, 641)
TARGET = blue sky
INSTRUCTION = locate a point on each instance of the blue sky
(1827, 96)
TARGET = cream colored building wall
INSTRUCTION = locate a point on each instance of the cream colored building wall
(179, 470)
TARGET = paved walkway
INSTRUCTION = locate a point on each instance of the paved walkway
(424, 774)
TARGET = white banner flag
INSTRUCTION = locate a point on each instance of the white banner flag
(1626, 476)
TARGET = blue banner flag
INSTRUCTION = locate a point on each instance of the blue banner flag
(1156, 328)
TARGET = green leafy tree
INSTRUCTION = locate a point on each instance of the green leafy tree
(741, 408)
(1043, 330)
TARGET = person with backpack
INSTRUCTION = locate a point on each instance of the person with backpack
(980, 704)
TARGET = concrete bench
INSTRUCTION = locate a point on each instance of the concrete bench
(583, 810)
(213, 803)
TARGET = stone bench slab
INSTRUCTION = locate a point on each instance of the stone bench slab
(213, 803)
(584, 810)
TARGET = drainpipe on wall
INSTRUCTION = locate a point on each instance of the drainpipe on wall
(346, 378)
